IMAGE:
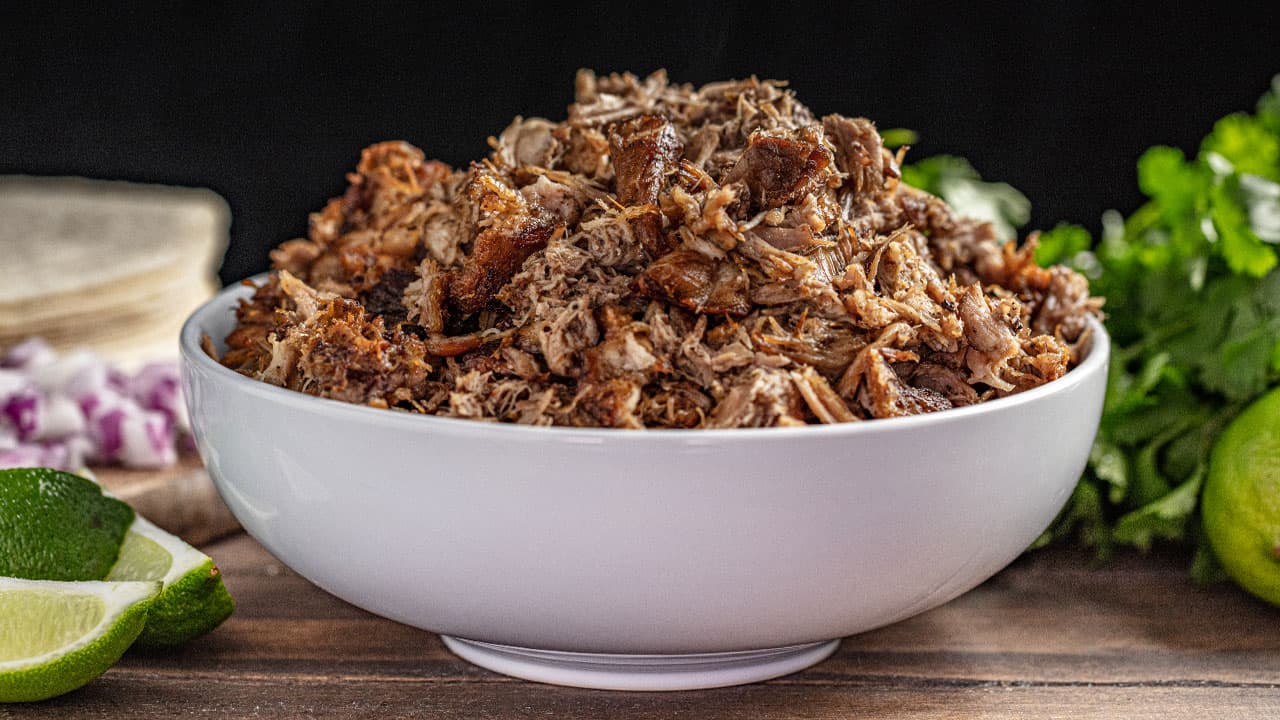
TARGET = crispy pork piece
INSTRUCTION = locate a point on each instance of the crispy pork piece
(497, 255)
(256, 318)
(860, 154)
(884, 394)
(667, 256)
(644, 151)
(423, 298)
(510, 230)
(1054, 300)
(625, 352)
(694, 282)
(330, 346)
(948, 382)
(607, 403)
(761, 397)
(781, 168)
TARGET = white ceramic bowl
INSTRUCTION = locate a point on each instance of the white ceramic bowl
(638, 559)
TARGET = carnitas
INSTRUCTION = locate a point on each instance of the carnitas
(665, 257)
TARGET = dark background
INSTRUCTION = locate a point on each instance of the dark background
(270, 107)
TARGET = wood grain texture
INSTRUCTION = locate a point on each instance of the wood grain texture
(1048, 638)
(180, 498)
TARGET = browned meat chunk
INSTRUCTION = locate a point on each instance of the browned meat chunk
(947, 382)
(296, 256)
(255, 320)
(511, 230)
(611, 403)
(454, 345)
(644, 151)
(885, 395)
(690, 280)
(329, 346)
(625, 352)
(860, 154)
(497, 256)
(781, 168)
(423, 298)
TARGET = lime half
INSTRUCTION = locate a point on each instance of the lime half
(193, 601)
(56, 636)
(58, 526)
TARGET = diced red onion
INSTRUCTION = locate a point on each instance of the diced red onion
(27, 354)
(54, 455)
(81, 376)
(12, 382)
(147, 440)
(22, 456)
(156, 387)
(22, 409)
(105, 429)
(59, 418)
(63, 411)
(79, 449)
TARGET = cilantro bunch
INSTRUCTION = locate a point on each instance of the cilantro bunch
(1193, 309)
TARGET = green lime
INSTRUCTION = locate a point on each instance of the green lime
(1241, 504)
(56, 636)
(58, 526)
(193, 601)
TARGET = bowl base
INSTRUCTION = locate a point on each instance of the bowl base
(603, 671)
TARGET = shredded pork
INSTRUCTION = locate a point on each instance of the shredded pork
(666, 257)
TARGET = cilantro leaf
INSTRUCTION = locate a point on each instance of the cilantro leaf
(956, 181)
(894, 138)
(1205, 568)
(1111, 465)
(1165, 175)
(1062, 244)
(1246, 143)
(1269, 107)
(1244, 251)
(1084, 519)
(1262, 199)
(1164, 518)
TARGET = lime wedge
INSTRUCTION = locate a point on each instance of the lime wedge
(56, 636)
(193, 601)
(58, 526)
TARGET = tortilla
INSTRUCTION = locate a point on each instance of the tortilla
(111, 266)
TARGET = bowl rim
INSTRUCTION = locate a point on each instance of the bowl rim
(226, 300)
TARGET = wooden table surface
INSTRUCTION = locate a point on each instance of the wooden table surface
(1047, 638)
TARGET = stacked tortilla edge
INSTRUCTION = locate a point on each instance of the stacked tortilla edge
(110, 266)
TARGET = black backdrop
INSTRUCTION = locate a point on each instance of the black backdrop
(270, 106)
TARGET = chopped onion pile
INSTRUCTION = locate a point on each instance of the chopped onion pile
(68, 411)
